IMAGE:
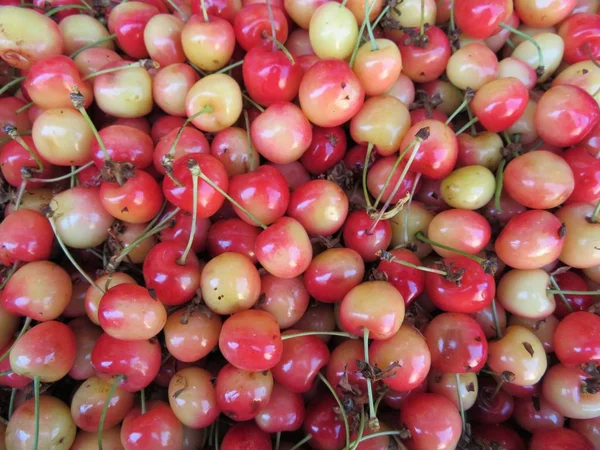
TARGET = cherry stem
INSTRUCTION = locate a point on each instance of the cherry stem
(383, 12)
(230, 66)
(277, 440)
(463, 105)
(422, 22)
(496, 320)
(143, 63)
(63, 177)
(594, 217)
(6, 372)
(361, 429)
(471, 122)
(204, 11)
(24, 328)
(364, 176)
(307, 438)
(252, 102)
(376, 435)
(252, 163)
(374, 46)
(281, 47)
(24, 108)
(177, 9)
(406, 216)
(53, 11)
(318, 333)
(13, 133)
(368, 8)
(212, 184)
(92, 45)
(452, 25)
(561, 293)
(461, 406)
(540, 67)
(143, 401)
(70, 257)
(217, 435)
(420, 236)
(20, 193)
(271, 19)
(499, 184)
(389, 257)
(10, 273)
(36, 395)
(195, 170)
(341, 407)
(373, 421)
(11, 402)
(558, 291)
(111, 393)
(10, 84)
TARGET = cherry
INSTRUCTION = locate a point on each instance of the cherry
(123, 144)
(162, 38)
(209, 44)
(450, 385)
(132, 364)
(408, 279)
(87, 334)
(241, 395)
(579, 34)
(248, 436)
(573, 282)
(190, 141)
(584, 166)
(128, 23)
(587, 428)
(424, 63)
(193, 398)
(319, 317)
(11, 379)
(492, 407)
(253, 26)
(464, 230)
(342, 364)
(472, 66)
(180, 229)
(251, 340)
(232, 147)
(26, 236)
(157, 427)
(284, 411)
(500, 103)
(558, 438)
(286, 299)
(500, 434)
(385, 169)
(323, 424)
(577, 252)
(432, 421)
(232, 235)
(575, 339)
(226, 9)
(565, 390)
(357, 235)
(86, 441)
(534, 414)
(192, 334)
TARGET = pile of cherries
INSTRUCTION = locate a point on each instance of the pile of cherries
(294, 224)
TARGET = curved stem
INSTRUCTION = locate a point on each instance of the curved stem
(471, 122)
(361, 30)
(341, 407)
(458, 110)
(20, 193)
(380, 433)
(195, 169)
(168, 158)
(496, 320)
(318, 333)
(461, 406)
(391, 174)
(364, 176)
(109, 397)
(499, 183)
(11, 402)
(540, 68)
(373, 421)
(13, 133)
(143, 63)
(24, 328)
(302, 442)
(110, 37)
(36, 395)
(10, 273)
(420, 236)
(387, 256)
(230, 66)
(70, 257)
(10, 84)
(63, 177)
(281, 47)
(177, 9)
(63, 7)
(252, 163)
(252, 102)
(561, 293)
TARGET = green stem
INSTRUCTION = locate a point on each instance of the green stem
(452, 25)
(195, 169)
(368, 9)
(307, 438)
(20, 193)
(204, 11)
(391, 174)
(458, 110)
(383, 12)
(92, 45)
(10, 273)
(252, 163)
(422, 22)
(10, 84)
(499, 183)
(379, 434)
(24, 328)
(496, 320)
(341, 407)
(6, 372)
(420, 236)
(558, 291)
(11, 402)
(364, 176)
(109, 397)
(24, 108)
(278, 435)
(561, 293)
(540, 68)
(143, 63)
(36, 395)
(252, 102)
(183, 15)
(594, 217)
(143, 401)
(374, 46)
(63, 7)
(387, 256)
(271, 19)
(281, 47)
(230, 66)
(373, 422)
(473, 121)
(461, 406)
(318, 333)
(510, 43)
(361, 430)
(63, 177)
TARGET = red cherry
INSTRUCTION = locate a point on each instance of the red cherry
(246, 436)
(241, 395)
(86, 334)
(559, 439)
(577, 339)
(124, 144)
(424, 64)
(480, 20)
(128, 21)
(252, 24)
(505, 436)
(284, 411)
(14, 158)
(357, 237)
(580, 34)
(232, 235)
(500, 103)
(491, 407)
(534, 414)
(326, 149)
(322, 422)
(157, 428)
(26, 236)
(410, 282)
(572, 282)
(11, 379)
(191, 141)
(179, 231)
(586, 173)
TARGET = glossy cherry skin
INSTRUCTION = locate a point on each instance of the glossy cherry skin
(180, 229)
(124, 144)
(251, 340)
(432, 420)
(25, 236)
(500, 103)
(137, 361)
(457, 343)
(209, 200)
(504, 435)
(269, 76)
(47, 350)
(87, 333)
(12, 379)
(128, 23)
(463, 230)
(252, 25)
(284, 248)
(534, 414)
(491, 407)
(333, 273)
(327, 148)
(342, 364)
(577, 339)
(246, 436)
(192, 397)
(481, 20)
(586, 173)
(409, 282)
(562, 388)
(357, 237)
(232, 235)
(321, 421)
(580, 34)
(558, 439)
(588, 428)
(158, 428)
(321, 207)
(241, 395)
(530, 240)
(14, 158)
(378, 175)
(424, 64)
(408, 349)
(190, 141)
(284, 411)
(301, 360)
(572, 281)
(263, 192)
(173, 283)
(226, 9)
(330, 94)
(474, 292)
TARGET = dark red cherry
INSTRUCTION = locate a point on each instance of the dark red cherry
(479, 19)
(409, 281)
(324, 424)
(357, 236)
(504, 435)
(232, 235)
(157, 428)
(559, 439)
(491, 407)
(586, 173)
(580, 35)
(246, 436)
(327, 148)
(577, 339)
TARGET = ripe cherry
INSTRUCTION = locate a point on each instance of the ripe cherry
(284, 411)
(157, 427)
(241, 395)
(193, 398)
(246, 435)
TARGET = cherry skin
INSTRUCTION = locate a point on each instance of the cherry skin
(208, 44)
(301, 360)
(504, 435)
(572, 281)
(180, 229)
(457, 343)
(378, 175)
(424, 64)
(190, 336)
(479, 20)
(325, 426)
(357, 236)
(562, 388)
(253, 25)
(587, 428)
(137, 362)
(577, 339)
(251, 340)
(156, 428)
(410, 282)
(579, 33)
(534, 414)
(173, 283)
(241, 395)
(500, 103)
(231, 147)
(12, 379)
(284, 411)
(124, 144)
(585, 167)
(559, 438)
(232, 235)
(577, 251)
(193, 398)
(14, 159)
(190, 141)
(226, 9)
(474, 292)
(128, 23)
(318, 317)
(263, 192)
(87, 333)
(247, 436)
(535, 236)
(26, 236)
(286, 299)
(432, 420)
(284, 248)
(460, 229)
